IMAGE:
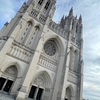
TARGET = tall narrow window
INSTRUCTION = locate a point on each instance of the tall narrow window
(76, 59)
(25, 32)
(71, 58)
(8, 86)
(32, 37)
(39, 95)
(40, 2)
(36, 92)
(2, 81)
(47, 5)
(32, 92)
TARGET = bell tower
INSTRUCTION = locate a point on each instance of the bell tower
(42, 10)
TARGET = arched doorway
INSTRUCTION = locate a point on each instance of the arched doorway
(40, 89)
(68, 94)
(7, 79)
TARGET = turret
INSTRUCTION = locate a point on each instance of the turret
(80, 19)
(62, 22)
(66, 22)
(42, 10)
(71, 12)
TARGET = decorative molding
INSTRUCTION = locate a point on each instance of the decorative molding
(47, 63)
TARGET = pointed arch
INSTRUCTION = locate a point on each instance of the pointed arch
(46, 76)
(8, 64)
(69, 92)
(10, 72)
(42, 84)
(38, 25)
(33, 35)
(30, 21)
(58, 40)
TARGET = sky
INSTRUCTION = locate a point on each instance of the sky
(90, 11)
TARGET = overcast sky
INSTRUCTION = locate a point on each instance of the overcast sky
(90, 11)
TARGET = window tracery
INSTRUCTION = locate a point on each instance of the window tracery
(50, 48)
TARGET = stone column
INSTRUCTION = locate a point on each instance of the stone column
(30, 73)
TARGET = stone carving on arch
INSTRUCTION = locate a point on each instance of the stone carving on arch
(44, 78)
(11, 70)
(7, 65)
(40, 81)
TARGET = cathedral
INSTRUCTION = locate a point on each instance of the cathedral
(41, 59)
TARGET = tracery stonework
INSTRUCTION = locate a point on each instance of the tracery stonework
(39, 81)
(12, 70)
(50, 48)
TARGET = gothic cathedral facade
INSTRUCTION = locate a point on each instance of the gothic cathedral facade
(40, 59)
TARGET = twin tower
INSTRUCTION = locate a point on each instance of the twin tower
(40, 59)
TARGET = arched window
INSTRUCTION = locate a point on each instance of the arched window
(8, 78)
(71, 58)
(25, 32)
(76, 59)
(32, 36)
(40, 2)
(68, 94)
(47, 5)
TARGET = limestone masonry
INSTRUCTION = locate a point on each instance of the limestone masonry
(41, 59)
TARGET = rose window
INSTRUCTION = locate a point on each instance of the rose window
(50, 48)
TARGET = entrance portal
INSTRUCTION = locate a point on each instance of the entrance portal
(7, 79)
(40, 89)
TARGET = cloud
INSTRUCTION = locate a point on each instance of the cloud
(90, 10)
(8, 9)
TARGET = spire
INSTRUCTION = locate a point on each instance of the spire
(62, 18)
(62, 22)
(80, 19)
(76, 17)
(71, 11)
